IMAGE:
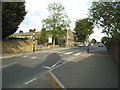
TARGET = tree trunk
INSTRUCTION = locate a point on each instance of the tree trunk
(53, 41)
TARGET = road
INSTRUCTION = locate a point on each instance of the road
(28, 70)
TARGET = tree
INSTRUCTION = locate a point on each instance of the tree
(93, 41)
(83, 28)
(12, 15)
(43, 36)
(105, 39)
(57, 21)
(107, 16)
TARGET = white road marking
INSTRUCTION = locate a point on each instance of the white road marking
(25, 56)
(31, 81)
(30, 53)
(62, 51)
(68, 53)
(76, 54)
(52, 65)
(46, 67)
(8, 64)
(33, 57)
(55, 64)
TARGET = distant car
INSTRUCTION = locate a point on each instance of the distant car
(80, 45)
(91, 44)
(100, 45)
(84, 45)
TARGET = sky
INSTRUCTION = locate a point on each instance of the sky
(37, 11)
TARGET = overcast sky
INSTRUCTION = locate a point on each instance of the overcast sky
(37, 11)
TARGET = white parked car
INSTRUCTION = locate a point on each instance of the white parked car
(80, 45)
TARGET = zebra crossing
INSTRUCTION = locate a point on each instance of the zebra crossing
(75, 53)
(62, 53)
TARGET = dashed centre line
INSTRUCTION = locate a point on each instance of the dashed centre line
(31, 81)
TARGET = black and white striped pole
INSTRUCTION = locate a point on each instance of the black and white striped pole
(88, 42)
(33, 40)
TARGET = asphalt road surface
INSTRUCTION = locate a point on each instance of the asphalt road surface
(28, 70)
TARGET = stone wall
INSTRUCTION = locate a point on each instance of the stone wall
(9, 46)
(115, 49)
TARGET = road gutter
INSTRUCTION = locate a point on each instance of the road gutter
(55, 82)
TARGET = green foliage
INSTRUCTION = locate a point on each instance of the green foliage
(107, 16)
(105, 39)
(81, 29)
(57, 20)
(93, 41)
(12, 15)
(43, 36)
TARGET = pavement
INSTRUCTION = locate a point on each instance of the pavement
(96, 69)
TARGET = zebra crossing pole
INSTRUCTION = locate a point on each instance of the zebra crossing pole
(33, 40)
(67, 39)
(88, 42)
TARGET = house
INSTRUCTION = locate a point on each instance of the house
(28, 35)
(66, 39)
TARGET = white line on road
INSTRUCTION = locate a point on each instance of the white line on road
(56, 64)
(33, 57)
(30, 53)
(76, 54)
(55, 78)
(9, 64)
(68, 53)
(31, 81)
(62, 52)
(72, 57)
(46, 67)
(25, 56)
